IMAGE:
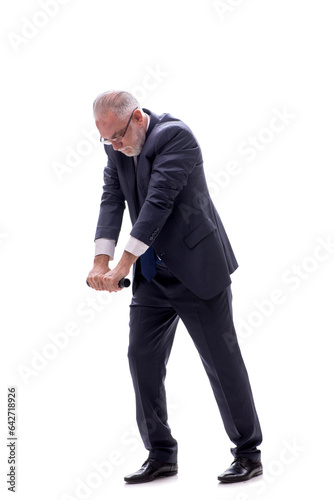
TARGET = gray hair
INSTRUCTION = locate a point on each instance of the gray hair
(121, 103)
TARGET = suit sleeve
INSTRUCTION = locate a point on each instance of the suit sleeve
(177, 154)
(112, 205)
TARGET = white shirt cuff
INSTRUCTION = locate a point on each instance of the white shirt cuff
(136, 247)
(105, 246)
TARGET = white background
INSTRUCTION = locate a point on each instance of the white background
(225, 68)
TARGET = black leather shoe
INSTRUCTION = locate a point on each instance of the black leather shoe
(241, 469)
(150, 470)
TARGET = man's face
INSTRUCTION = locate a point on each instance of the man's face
(112, 128)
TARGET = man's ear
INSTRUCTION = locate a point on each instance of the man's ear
(138, 116)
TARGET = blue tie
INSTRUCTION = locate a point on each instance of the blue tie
(147, 262)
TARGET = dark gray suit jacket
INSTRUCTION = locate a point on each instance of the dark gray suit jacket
(170, 206)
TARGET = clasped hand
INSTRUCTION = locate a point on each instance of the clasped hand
(105, 279)
(102, 278)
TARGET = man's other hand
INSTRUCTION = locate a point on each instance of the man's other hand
(95, 275)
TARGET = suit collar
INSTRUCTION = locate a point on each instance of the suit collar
(154, 119)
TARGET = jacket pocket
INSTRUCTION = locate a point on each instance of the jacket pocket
(199, 233)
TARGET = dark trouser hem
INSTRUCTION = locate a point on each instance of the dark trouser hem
(165, 457)
(252, 455)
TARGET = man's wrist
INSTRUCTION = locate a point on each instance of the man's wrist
(126, 262)
(101, 260)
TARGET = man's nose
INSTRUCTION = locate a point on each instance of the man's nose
(117, 145)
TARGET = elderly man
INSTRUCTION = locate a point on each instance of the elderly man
(182, 261)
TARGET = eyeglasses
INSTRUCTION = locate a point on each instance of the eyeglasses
(115, 139)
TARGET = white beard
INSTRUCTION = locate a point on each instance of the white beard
(136, 149)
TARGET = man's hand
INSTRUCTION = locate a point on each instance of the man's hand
(112, 278)
(102, 278)
(100, 268)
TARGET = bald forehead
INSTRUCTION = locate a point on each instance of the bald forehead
(108, 124)
(106, 118)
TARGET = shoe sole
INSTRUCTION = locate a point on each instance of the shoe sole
(240, 479)
(165, 474)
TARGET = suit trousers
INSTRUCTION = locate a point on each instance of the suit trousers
(155, 310)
